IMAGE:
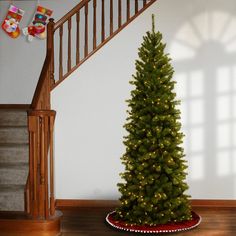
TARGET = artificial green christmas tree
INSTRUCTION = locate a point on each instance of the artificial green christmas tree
(153, 191)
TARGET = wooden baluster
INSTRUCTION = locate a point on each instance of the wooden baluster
(94, 24)
(48, 87)
(33, 163)
(119, 13)
(111, 17)
(50, 46)
(52, 199)
(77, 37)
(103, 21)
(69, 46)
(136, 6)
(128, 9)
(61, 53)
(46, 146)
(86, 31)
(144, 2)
(41, 154)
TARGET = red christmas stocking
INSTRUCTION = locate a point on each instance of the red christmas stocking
(11, 22)
(39, 23)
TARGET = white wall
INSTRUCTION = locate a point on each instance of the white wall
(20, 61)
(90, 105)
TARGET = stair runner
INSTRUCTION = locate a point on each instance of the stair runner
(14, 157)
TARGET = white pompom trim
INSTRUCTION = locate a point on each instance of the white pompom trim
(151, 231)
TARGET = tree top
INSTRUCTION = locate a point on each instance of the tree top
(153, 23)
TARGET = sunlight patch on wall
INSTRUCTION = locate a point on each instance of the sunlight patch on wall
(188, 31)
(197, 139)
(205, 61)
(229, 36)
(223, 135)
(234, 108)
(181, 85)
(223, 79)
(201, 25)
(223, 108)
(196, 111)
(196, 82)
(180, 51)
(234, 163)
(223, 163)
(196, 167)
(234, 77)
(218, 23)
(234, 136)
(215, 25)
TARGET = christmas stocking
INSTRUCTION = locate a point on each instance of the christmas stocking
(38, 25)
(11, 22)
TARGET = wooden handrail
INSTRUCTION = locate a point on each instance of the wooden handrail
(41, 82)
(41, 98)
(70, 14)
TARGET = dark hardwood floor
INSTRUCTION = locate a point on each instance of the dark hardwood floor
(90, 222)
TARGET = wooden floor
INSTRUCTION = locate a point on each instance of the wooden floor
(90, 222)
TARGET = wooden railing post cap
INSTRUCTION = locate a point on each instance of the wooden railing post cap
(51, 20)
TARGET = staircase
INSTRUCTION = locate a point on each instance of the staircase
(27, 201)
(14, 159)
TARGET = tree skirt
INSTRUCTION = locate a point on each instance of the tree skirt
(164, 228)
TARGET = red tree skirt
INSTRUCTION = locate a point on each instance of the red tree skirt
(164, 228)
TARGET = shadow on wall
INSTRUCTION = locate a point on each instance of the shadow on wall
(204, 58)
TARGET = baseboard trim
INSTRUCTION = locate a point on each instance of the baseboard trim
(61, 203)
(15, 106)
(86, 203)
(213, 203)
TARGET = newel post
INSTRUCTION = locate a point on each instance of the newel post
(50, 49)
(41, 172)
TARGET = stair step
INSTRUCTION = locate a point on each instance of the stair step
(11, 197)
(13, 134)
(14, 153)
(12, 117)
(13, 173)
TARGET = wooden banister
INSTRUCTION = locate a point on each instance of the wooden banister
(39, 190)
(107, 31)
(41, 98)
(42, 83)
(40, 203)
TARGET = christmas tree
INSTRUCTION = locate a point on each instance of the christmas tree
(155, 170)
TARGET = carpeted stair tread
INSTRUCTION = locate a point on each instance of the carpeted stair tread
(11, 188)
(13, 173)
(11, 197)
(15, 166)
(14, 153)
(13, 117)
(14, 134)
(14, 157)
